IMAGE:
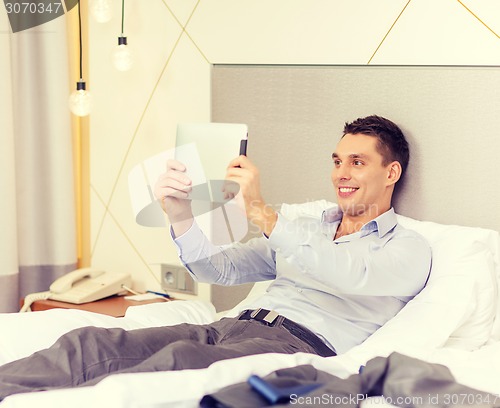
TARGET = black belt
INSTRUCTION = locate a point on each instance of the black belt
(272, 318)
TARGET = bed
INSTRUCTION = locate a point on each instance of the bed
(454, 321)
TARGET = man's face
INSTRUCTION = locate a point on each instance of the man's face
(360, 179)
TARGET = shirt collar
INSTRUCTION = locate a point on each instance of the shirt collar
(382, 224)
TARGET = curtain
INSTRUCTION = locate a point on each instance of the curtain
(37, 204)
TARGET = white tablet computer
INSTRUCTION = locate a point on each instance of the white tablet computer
(205, 149)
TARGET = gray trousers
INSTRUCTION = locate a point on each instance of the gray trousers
(85, 356)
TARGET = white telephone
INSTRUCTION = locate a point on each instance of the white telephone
(87, 285)
(82, 286)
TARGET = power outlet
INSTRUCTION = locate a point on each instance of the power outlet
(177, 278)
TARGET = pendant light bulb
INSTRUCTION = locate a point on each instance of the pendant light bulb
(80, 100)
(101, 10)
(122, 56)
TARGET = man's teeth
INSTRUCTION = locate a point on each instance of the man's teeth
(347, 189)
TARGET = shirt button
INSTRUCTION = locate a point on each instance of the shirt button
(299, 290)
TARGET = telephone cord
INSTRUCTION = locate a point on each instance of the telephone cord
(33, 297)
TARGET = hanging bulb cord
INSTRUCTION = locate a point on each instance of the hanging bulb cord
(123, 17)
(80, 40)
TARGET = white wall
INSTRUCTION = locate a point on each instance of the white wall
(176, 41)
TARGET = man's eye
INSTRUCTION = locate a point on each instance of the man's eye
(337, 162)
(357, 162)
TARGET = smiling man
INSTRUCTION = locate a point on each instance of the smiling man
(338, 274)
(348, 269)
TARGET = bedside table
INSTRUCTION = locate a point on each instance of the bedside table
(115, 306)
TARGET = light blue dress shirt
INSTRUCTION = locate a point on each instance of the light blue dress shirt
(343, 290)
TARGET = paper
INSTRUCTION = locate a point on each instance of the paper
(143, 296)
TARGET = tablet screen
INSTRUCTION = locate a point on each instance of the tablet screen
(206, 150)
(209, 147)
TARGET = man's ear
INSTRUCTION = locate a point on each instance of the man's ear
(394, 172)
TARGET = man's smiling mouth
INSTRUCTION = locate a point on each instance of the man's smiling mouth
(348, 189)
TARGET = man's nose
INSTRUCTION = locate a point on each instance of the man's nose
(342, 172)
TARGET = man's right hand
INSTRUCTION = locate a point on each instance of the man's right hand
(172, 190)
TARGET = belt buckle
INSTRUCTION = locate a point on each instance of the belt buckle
(269, 317)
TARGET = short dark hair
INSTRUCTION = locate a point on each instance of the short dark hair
(392, 144)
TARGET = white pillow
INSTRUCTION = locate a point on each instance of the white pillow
(463, 277)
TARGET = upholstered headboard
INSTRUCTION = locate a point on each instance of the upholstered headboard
(296, 114)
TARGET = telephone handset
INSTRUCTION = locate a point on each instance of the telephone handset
(87, 285)
(64, 283)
